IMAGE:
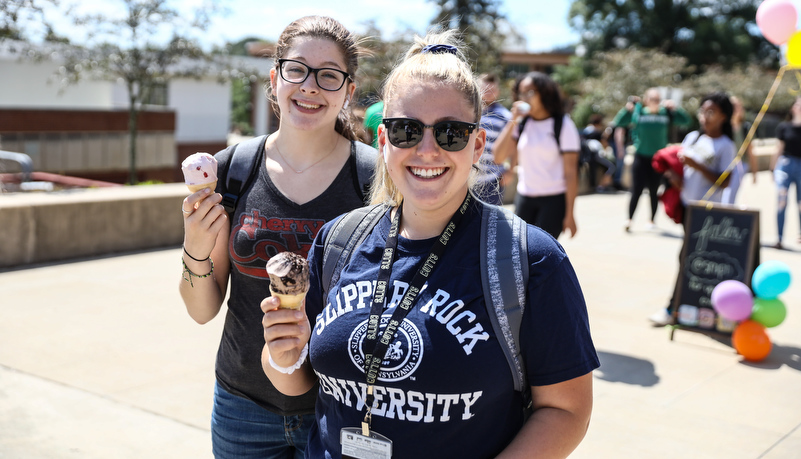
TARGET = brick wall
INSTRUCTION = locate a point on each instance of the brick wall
(93, 144)
(17, 121)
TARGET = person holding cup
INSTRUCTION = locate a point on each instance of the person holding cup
(547, 170)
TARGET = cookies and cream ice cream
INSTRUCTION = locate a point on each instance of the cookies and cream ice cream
(200, 171)
(289, 279)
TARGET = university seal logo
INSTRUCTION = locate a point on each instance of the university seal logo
(403, 356)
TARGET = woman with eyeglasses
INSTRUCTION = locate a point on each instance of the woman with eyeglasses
(405, 330)
(305, 178)
(547, 165)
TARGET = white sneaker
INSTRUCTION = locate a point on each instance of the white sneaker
(650, 226)
(661, 318)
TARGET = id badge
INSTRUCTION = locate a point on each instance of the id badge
(357, 446)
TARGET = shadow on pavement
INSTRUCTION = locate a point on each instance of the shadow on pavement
(779, 356)
(626, 369)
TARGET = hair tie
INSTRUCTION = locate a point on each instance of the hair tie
(439, 49)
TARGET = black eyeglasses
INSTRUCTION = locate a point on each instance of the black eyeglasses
(296, 72)
(408, 132)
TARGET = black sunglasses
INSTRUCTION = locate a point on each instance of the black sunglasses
(296, 72)
(408, 132)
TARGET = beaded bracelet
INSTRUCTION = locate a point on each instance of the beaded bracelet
(191, 274)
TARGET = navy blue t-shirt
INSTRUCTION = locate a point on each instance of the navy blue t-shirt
(445, 385)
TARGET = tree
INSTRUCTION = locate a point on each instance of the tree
(382, 56)
(706, 32)
(622, 73)
(15, 12)
(128, 48)
(485, 29)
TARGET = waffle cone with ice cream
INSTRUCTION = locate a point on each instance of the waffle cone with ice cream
(200, 171)
(289, 279)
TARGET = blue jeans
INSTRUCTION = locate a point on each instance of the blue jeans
(241, 429)
(787, 172)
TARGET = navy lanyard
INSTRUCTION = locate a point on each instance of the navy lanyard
(372, 361)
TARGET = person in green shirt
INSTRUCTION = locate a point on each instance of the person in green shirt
(372, 118)
(649, 122)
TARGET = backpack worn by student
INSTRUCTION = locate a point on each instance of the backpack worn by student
(585, 152)
(247, 155)
(504, 272)
(557, 128)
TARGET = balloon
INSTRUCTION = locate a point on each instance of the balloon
(751, 341)
(776, 20)
(770, 279)
(732, 300)
(769, 312)
(794, 50)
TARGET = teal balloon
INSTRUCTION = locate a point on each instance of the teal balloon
(770, 279)
(769, 312)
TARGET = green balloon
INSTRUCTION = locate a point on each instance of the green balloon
(768, 312)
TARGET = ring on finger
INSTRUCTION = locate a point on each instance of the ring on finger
(185, 212)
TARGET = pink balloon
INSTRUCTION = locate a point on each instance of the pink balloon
(776, 20)
(733, 300)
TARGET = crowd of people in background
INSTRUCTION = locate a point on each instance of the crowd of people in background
(442, 148)
(612, 157)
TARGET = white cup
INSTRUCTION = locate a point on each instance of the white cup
(524, 108)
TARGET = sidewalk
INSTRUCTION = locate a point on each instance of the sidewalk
(98, 358)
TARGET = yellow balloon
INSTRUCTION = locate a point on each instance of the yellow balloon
(794, 50)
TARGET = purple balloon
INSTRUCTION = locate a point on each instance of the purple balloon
(733, 300)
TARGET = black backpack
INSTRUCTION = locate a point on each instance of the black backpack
(246, 156)
(585, 152)
(557, 128)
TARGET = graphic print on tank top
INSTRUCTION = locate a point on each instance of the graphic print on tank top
(256, 238)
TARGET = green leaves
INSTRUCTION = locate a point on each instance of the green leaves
(706, 32)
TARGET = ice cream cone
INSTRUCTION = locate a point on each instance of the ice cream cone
(195, 188)
(289, 301)
(200, 171)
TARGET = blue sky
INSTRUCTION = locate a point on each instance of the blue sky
(543, 28)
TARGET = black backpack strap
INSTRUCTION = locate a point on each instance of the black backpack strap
(522, 125)
(364, 165)
(345, 235)
(241, 170)
(557, 129)
(504, 276)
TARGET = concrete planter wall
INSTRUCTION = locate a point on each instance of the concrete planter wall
(46, 227)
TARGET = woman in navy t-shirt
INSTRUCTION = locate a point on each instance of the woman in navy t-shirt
(412, 294)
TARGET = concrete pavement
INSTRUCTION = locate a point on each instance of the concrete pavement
(98, 358)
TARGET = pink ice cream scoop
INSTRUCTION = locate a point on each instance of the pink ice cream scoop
(200, 171)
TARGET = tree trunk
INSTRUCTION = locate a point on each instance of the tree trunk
(133, 127)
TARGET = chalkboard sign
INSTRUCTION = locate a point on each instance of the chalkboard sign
(720, 243)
